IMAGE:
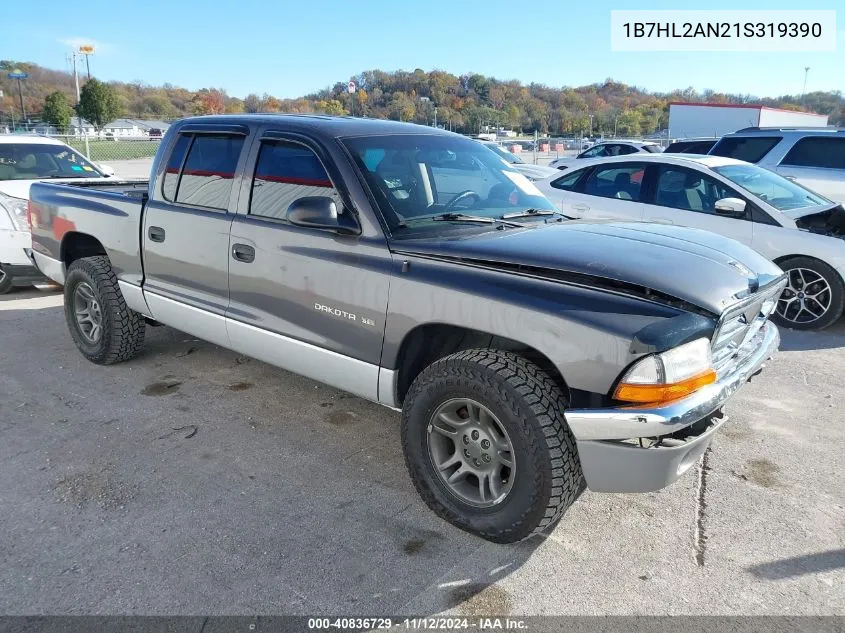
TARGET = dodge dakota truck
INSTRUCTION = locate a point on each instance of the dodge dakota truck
(531, 355)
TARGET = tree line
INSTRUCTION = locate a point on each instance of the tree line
(463, 103)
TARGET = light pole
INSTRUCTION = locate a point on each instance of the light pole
(20, 76)
(591, 126)
(804, 89)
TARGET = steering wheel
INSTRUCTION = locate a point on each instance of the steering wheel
(467, 193)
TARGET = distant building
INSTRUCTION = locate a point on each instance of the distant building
(697, 120)
(132, 128)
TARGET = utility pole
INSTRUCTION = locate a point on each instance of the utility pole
(20, 76)
(78, 114)
(804, 89)
(435, 116)
(591, 126)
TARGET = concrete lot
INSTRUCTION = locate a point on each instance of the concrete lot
(195, 481)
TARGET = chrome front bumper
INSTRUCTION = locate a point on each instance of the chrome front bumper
(611, 465)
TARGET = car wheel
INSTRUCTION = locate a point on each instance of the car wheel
(103, 327)
(5, 281)
(487, 446)
(814, 297)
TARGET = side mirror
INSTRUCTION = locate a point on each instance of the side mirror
(731, 207)
(320, 212)
(107, 171)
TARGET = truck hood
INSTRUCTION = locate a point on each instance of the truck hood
(657, 261)
(20, 188)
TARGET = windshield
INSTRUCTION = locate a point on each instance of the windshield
(513, 159)
(33, 161)
(417, 176)
(779, 192)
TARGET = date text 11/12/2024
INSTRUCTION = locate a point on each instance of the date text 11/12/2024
(431, 624)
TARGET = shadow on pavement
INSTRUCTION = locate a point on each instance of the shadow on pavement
(799, 341)
(800, 565)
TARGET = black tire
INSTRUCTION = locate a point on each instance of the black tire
(123, 330)
(5, 282)
(836, 298)
(530, 408)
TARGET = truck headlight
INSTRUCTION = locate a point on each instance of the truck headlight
(16, 207)
(668, 376)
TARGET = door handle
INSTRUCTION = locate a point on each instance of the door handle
(243, 253)
(156, 233)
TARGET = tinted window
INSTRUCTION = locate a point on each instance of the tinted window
(690, 147)
(622, 182)
(815, 151)
(750, 149)
(689, 190)
(207, 176)
(30, 161)
(568, 182)
(174, 163)
(284, 173)
(621, 150)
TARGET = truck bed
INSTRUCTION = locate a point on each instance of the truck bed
(111, 210)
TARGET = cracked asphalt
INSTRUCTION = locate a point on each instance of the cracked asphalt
(195, 481)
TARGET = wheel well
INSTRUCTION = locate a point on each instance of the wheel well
(427, 343)
(78, 245)
(785, 258)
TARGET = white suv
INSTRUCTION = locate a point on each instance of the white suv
(813, 157)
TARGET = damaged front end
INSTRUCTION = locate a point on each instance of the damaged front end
(829, 222)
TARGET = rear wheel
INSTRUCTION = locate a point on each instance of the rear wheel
(103, 327)
(5, 281)
(487, 446)
(814, 297)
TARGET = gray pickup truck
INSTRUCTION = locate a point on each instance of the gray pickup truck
(530, 354)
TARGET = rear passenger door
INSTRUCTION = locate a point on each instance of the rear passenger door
(310, 300)
(818, 163)
(186, 230)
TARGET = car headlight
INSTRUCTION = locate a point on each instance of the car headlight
(16, 208)
(668, 376)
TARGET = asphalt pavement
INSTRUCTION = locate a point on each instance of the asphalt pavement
(192, 480)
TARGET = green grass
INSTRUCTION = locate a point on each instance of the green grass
(102, 151)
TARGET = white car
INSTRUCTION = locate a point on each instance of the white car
(801, 231)
(607, 148)
(23, 161)
(532, 172)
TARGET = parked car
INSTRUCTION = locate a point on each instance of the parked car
(799, 230)
(532, 172)
(691, 146)
(413, 267)
(813, 157)
(26, 159)
(154, 132)
(607, 148)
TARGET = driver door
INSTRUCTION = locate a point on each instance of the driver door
(687, 197)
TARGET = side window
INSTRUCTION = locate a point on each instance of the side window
(206, 179)
(594, 152)
(621, 150)
(751, 149)
(688, 190)
(816, 151)
(567, 182)
(622, 182)
(284, 173)
(174, 164)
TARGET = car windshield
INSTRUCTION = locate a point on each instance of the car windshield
(419, 176)
(776, 190)
(511, 158)
(34, 161)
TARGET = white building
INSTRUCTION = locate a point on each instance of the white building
(697, 120)
(132, 128)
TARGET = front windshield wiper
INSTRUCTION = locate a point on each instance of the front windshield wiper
(462, 217)
(530, 213)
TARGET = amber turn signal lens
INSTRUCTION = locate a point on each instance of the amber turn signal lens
(660, 394)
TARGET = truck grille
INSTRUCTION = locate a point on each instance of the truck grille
(739, 324)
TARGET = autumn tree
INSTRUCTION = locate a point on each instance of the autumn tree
(209, 101)
(98, 103)
(57, 110)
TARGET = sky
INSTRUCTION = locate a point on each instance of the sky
(290, 48)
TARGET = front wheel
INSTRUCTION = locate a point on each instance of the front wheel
(814, 297)
(487, 446)
(103, 327)
(5, 281)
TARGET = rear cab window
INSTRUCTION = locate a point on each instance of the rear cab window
(201, 169)
(751, 149)
(817, 151)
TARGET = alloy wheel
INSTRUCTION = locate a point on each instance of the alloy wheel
(471, 452)
(89, 314)
(806, 298)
